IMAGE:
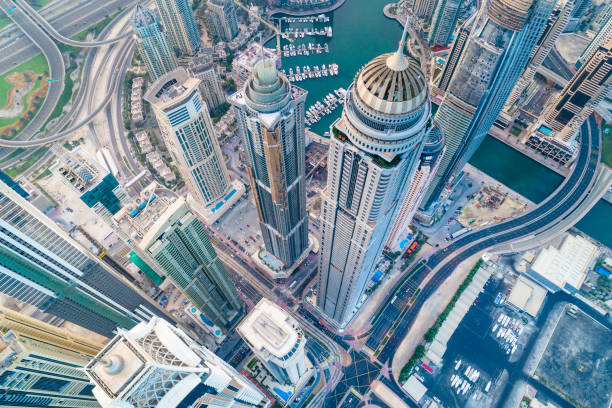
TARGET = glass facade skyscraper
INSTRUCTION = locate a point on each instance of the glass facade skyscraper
(42, 266)
(270, 114)
(153, 43)
(501, 42)
(178, 20)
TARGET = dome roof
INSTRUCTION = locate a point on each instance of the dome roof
(392, 83)
(266, 89)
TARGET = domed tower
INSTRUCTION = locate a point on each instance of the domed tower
(270, 114)
(374, 151)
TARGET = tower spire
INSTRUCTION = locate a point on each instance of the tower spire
(398, 61)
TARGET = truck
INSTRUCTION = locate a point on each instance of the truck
(459, 233)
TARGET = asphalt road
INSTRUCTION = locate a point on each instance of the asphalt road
(548, 213)
(56, 66)
(17, 48)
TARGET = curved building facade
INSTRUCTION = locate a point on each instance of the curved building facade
(270, 114)
(189, 134)
(374, 152)
(153, 42)
(277, 340)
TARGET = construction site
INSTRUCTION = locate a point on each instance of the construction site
(489, 206)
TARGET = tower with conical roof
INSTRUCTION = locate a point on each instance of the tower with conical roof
(153, 43)
(374, 150)
(270, 113)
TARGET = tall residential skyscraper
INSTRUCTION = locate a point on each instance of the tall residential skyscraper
(189, 134)
(270, 113)
(40, 364)
(277, 340)
(432, 149)
(222, 19)
(455, 56)
(179, 244)
(210, 86)
(580, 8)
(153, 42)
(500, 44)
(423, 8)
(601, 39)
(178, 21)
(374, 152)
(553, 29)
(443, 21)
(158, 365)
(581, 95)
(41, 265)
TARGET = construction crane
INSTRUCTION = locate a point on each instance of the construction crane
(271, 26)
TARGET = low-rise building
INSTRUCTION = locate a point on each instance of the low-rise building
(564, 268)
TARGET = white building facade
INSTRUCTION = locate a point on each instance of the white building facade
(277, 340)
(158, 365)
(374, 152)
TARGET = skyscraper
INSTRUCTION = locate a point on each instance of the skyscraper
(42, 266)
(189, 134)
(581, 95)
(374, 152)
(178, 21)
(580, 8)
(153, 43)
(277, 340)
(455, 56)
(553, 29)
(179, 244)
(40, 364)
(443, 21)
(432, 149)
(423, 8)
(222, 19)
(210, 85)
(270, 113)
(501, 42)
(601, 39)
(158, 365)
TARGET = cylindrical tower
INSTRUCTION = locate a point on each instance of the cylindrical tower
(374, 152)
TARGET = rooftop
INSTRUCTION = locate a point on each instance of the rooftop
(270, 329)
(171, 89)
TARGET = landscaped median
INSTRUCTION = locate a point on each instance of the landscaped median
(419, 352)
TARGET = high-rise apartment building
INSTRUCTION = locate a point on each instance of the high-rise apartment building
(500, 44)
(270, 114)
(443, 22)
(580, 8)
(178, 20)
(601, 39)
(423, 8)
(554, 27)
(432, 150)
(158, 365)
(153, 43)
(43, 266)
(277, 341)
(189, 134)
(40, 364)
(581, 95)
(374, 152)
(210, 85)
(454, 57)
(222, 19)
(179, 244)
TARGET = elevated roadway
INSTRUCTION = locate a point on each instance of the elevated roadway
(68, 17)
(441, 265)
(63, 39)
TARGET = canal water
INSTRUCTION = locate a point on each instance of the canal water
(360, 33)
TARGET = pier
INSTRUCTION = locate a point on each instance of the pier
(291, 50)
(320, 109)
